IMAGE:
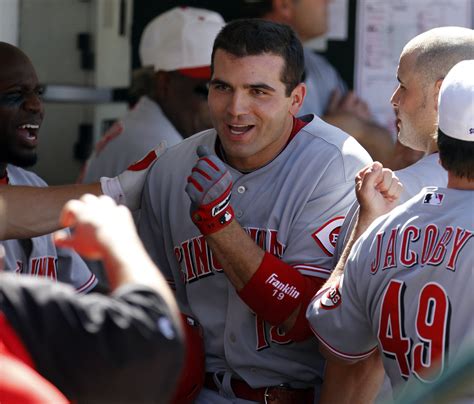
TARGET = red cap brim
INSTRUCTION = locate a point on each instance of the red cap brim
(201, 72)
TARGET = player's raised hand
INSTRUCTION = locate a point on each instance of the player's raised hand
(209, 187)
(100, 228)
(377, 190)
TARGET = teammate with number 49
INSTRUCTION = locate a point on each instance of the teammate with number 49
(406, 287)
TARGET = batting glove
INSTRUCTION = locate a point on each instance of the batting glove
(126, 188)
(209, 188)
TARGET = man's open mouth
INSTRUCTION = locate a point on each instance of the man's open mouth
(28, 133)
(239, 129)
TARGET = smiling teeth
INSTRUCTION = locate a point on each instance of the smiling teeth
(29, 126)
(239, 129)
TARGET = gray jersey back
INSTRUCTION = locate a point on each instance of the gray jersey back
(39, 256)
(292, 207)
(407, 287)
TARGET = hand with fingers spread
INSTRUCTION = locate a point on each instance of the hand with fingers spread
(377, 190)
(209, 188)
(100, 228)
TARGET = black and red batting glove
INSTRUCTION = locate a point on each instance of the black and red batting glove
(209, 188)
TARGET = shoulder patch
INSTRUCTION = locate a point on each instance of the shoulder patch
(433, 198)
(331, 299)
(326, 235)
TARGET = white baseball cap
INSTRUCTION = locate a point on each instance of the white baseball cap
(181, 39)
(456, 102)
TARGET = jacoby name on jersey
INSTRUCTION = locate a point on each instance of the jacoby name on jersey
(433, 244)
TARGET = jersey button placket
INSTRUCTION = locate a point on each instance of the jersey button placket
(241, 189)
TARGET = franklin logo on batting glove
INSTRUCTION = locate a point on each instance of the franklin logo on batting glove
(209, 188)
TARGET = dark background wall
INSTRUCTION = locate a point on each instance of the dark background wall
(340, 53)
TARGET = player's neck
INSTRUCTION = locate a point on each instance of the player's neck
(463, 183)
(432, 148)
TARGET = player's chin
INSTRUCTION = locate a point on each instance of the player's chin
(24, 158)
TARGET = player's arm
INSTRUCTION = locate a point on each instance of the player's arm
(104, 231)
(350, 383)
(34, 211)
(377, 191)
(253, 272)
(134, 331)
(355, 379)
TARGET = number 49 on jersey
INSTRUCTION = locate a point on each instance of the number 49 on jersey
(425, 359)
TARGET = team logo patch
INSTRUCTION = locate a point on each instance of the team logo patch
(471, 131)
(433, 198)
(326, 235)
(331, 299)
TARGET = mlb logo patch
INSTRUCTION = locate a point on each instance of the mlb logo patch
(433, 198)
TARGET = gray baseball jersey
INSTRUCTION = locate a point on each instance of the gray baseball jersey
(406, 288)
(39, 256)
(128, 140)
(292, 208)
(425, 172)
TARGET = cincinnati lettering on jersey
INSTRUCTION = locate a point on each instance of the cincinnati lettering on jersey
(44, 266)
(286, 288)
(196, 260)
(40, 266)
(419, 246)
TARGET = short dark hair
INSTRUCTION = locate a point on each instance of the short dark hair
(254, 36)
(457, 156)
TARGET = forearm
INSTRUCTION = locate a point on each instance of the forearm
(352, 383)
(34, 211)
(238, 254)
(130, 264)
(251, 272)
(362, 223)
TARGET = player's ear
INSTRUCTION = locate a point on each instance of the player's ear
(297, 98)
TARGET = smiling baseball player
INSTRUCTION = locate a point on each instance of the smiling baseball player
(409, 275)
(21, 115)
(242, 218)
